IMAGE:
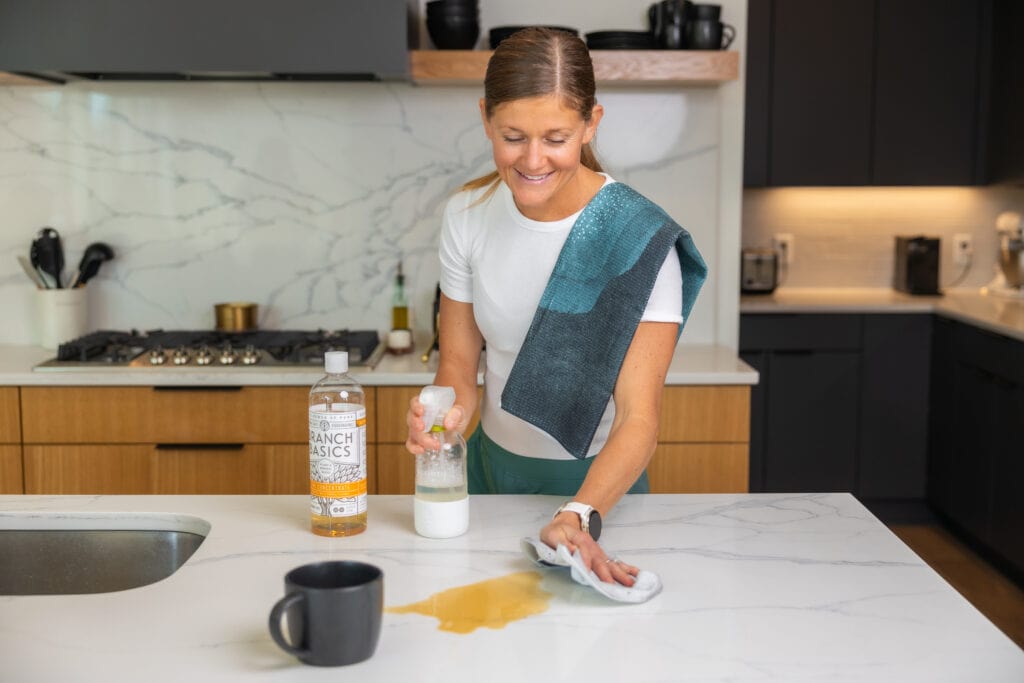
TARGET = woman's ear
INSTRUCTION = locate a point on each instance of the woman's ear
(483, 117)
(595, 119)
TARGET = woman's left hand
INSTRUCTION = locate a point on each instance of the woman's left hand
(608, 569)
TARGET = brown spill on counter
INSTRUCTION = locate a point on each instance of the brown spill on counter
(493, 603)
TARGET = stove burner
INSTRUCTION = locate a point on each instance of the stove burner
(159, 348)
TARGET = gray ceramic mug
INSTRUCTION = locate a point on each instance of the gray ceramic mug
(333, 610)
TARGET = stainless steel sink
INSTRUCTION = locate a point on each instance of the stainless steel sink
(45, 559)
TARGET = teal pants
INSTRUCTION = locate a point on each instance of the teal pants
(492, 469)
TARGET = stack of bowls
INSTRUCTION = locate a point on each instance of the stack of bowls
(453, 24)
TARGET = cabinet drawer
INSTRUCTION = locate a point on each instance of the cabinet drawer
(168, 414)
(699, 468)
(705, 413)
(146, 468)
(798, 332)
(10, 416)
(393, 404)
(10, 470)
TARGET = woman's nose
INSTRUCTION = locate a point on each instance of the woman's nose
(534, 155)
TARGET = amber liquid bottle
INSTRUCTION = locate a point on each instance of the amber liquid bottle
(337, 451)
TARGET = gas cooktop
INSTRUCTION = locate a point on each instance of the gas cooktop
(205, 348)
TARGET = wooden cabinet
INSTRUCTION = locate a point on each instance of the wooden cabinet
(10, 441)
(849, 92)
(122, 440)
(703, 440)
(842, 404)
(170, 440)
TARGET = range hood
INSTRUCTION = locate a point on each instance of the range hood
(63, 40)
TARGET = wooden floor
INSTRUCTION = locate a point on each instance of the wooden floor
(994, 595)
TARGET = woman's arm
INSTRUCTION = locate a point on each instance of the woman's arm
(630, 445)
(460, 346)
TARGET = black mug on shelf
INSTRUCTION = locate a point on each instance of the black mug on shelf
(708, 34)
(668, 23)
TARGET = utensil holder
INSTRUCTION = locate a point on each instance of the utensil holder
(62, 315)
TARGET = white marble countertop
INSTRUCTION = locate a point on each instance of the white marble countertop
(757, 587)
(692, 364)
(999, 314)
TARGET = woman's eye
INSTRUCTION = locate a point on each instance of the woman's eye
(555, 142)
(507, 138)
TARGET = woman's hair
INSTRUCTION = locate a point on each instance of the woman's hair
(536, 62)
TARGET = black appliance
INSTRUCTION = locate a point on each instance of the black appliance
(917, 265)
(66, 40)
(205, 349)
(759, 271)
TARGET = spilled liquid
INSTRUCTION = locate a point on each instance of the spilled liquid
(492, 604)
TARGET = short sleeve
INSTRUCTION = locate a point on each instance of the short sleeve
(665, 304)
(454, 252)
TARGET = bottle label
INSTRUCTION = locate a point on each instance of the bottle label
(337, 462)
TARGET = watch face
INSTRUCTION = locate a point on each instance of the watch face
(595, 525)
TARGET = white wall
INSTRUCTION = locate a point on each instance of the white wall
(303, 196)
(844, 236)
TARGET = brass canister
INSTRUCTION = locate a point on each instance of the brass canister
(237, 316)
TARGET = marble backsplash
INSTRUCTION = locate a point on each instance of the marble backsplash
(301, 197)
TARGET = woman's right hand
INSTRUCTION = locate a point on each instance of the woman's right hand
(419, 439)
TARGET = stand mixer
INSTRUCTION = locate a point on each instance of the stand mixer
(1009, 280)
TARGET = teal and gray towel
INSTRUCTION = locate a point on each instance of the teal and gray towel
(566, 370)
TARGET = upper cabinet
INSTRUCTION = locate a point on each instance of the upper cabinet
(850, 92)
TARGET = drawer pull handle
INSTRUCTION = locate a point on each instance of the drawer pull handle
(195, 388)
(200, 446)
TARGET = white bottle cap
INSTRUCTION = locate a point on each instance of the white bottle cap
(437, 401)
(336, 362)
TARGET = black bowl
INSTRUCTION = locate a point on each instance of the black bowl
(453, 34)
(500, 33)
(456, 12)
(448, 5)
(621, 40)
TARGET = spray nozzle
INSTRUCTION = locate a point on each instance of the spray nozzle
(436, 401)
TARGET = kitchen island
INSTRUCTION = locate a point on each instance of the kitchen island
(783, 587)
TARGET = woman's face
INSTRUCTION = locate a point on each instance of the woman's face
(537, 144)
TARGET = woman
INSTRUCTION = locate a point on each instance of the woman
(510, 244)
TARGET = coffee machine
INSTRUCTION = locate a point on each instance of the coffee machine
(917, 265)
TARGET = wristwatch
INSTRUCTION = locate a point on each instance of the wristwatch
(590, 519)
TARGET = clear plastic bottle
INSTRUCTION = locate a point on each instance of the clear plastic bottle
(337, 451)
(441, 501)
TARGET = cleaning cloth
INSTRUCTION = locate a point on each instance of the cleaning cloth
(647, 583)
(565, 372)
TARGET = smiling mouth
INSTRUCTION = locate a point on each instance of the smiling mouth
(534, 178)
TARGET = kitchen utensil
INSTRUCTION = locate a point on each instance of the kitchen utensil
(1010, 226)
(334, 612)
(47, 255)
(237, 316)
(93, 256)
(759, 271)
(33, 275)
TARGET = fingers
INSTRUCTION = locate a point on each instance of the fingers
(418, 440)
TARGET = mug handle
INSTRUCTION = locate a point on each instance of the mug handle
(275, 623)
(728, 33)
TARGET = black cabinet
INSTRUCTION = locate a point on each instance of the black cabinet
(841, 404)
(849, 92)
(976, 466)
(1006, 155)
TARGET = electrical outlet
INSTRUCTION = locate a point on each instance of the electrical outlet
(963, 248)
(783, 243)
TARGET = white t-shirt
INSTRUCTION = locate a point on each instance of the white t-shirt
(497, 259)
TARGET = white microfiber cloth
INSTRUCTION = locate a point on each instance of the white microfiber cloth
(646, 586)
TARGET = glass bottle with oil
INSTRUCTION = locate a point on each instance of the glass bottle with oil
(337, 451)
(400, 336)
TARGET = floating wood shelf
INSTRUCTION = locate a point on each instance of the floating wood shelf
(7, 78)
(684, 67)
